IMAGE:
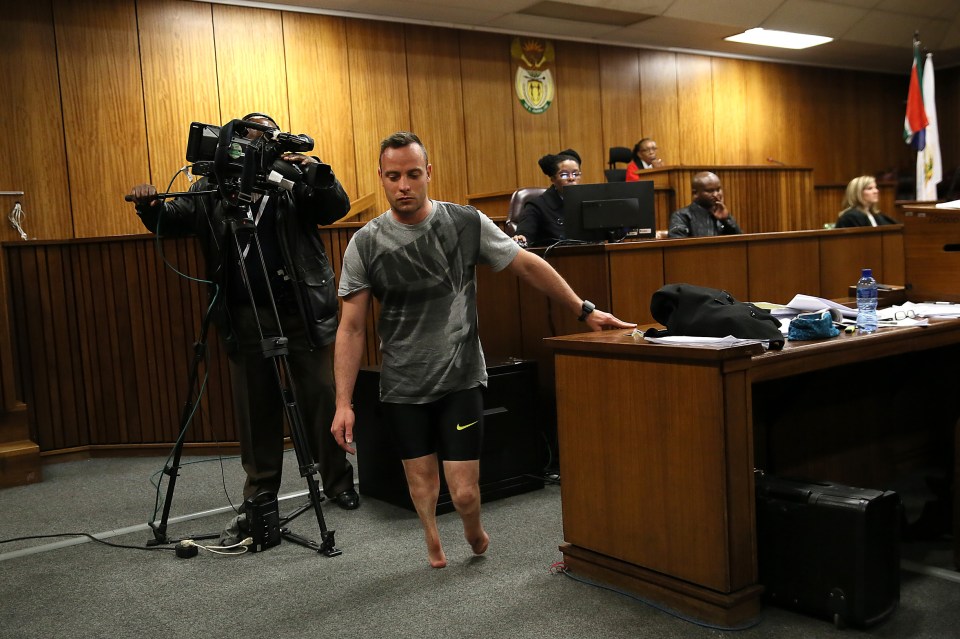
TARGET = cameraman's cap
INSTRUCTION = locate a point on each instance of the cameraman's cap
(260, 115)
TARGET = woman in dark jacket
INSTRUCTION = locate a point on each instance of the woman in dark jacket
(860, 204)
(541, 221)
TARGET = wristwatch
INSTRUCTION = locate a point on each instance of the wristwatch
(587, 308)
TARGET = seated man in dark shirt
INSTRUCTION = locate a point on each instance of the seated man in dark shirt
(707, 215)
(541, 220)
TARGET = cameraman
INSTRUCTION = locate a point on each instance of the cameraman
(305, 293)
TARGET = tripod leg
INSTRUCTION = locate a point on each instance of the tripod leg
(172, 469)
(276, 349)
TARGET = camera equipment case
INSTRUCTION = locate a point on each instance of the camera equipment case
(829, 550)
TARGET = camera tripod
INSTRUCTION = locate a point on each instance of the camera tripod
(274, 348)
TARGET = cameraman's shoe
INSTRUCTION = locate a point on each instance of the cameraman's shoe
(236, 531)
(348, 499)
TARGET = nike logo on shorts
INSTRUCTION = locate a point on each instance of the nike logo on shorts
(459, 427)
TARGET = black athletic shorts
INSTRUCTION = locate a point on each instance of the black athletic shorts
(451, 426)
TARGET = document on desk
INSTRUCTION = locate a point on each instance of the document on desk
(954, 204)
(809, 304)
(924, 309)
(706, 342)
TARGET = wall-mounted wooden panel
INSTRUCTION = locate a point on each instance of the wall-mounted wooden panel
(251, 68)
(843, 254)
(436, 107)
(379, 90)
(766, 111)
(717, 266)
(659, 103)
(318, 80)
(578, 107)
(31, 100)
(730, 124)
(783, 257)
(102, 94)
(488, 97)
(620, 96)
(695, 112)
(179, 81)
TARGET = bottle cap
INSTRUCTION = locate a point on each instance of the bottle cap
(867, 272)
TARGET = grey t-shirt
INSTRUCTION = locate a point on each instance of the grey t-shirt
(424, 276)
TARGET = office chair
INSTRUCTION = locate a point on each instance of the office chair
(618, 154)
(517, 200)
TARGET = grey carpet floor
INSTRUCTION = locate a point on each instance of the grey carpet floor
(381, 586)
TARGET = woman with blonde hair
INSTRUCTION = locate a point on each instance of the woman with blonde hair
(860, 204)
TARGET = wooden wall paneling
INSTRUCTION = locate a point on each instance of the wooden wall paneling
(31, 98)
(764, 109)
(779, 269)
(578, 107)
(486, 76)
(665, 202)
(102, 94)
(620, 96)
(379, 90)
(38, 352)
(882, 149)
(436, 106)
(695, 112)
(535, 134)
(797, 125)
(659, 103)
(731, 126)
(894, 259)
(721, 266)
(18, 326)
(498, 313)
(635, 276)
(179, 66)
(318, 79)
(251, 71)
(838, 114)
(842, 258)
(828, 199)
(148, 356)
(90, 335)
(8, 392)
(174, 357)
(65, 340)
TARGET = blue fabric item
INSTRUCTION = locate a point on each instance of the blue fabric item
(812, 326)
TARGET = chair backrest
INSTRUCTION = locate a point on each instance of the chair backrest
(517, 200)
(615, 175)
(618, 155)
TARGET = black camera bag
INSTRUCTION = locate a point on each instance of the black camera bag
(687, 309)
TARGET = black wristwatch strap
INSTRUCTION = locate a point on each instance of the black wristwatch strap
(587, 308)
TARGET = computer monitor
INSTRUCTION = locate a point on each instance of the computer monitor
(608, 211)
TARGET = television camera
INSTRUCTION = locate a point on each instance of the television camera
(241, 164)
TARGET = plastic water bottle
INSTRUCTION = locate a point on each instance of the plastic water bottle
(867, 302)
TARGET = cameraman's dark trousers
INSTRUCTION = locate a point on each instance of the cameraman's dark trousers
(259, 406)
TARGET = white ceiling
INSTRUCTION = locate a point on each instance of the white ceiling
(873, 35)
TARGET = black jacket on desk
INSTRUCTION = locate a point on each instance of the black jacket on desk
(855, 217)
(305, 261)
(696, 221)
(541, 220)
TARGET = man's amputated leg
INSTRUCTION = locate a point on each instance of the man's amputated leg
(463, 479)
(423, 480)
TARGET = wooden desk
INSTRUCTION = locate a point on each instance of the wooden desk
(673, 435)
(931, 239)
